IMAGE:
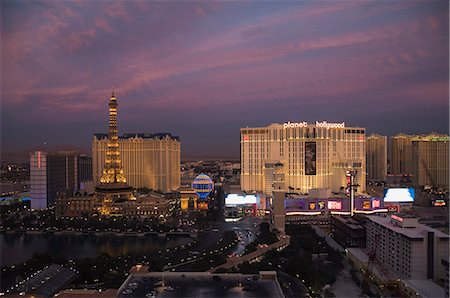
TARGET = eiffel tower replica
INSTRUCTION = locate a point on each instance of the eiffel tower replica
(113, 188)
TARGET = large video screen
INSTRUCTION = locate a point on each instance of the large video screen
(399, 195)
(310, 158)
(234, 199)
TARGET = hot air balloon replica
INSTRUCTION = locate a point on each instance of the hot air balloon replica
(202, 185)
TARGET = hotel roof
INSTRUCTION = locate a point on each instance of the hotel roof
(201, 284)
(159, 136)
(416, 232)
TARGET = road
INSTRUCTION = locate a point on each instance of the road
(246, 229)
(292, 288)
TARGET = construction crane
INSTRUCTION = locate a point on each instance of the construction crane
(365, 283)
(433, 185)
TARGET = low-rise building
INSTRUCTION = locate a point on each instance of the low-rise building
(347, 231)
(147, 205)
(78, 204)
(141, 283)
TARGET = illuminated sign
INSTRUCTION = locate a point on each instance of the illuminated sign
(234, 199)
(393, 208)
(334, 205)
(325, 124)
(295, 124)
(330, 125)
(321, 205)
(397, 218)
(202, 205)
(312, 206)
(366, 205)
(39, 159)
(403, 195)
(439, 203)
(246, 138)
(376, 204)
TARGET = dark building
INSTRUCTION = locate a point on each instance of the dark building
(50, 173)
(84, 168)
(347, 231)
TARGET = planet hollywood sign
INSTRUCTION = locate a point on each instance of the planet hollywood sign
(318, 124)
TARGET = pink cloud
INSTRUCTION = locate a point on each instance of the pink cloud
(101, 23)
(432, 23)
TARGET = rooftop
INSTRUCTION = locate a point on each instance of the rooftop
(159, 136)
(425, 287)
(200, 284)
(417, 232)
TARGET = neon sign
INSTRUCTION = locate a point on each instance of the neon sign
(330, 125)
(295, 124)
(325, 124)
(397, 218)
(393, 208)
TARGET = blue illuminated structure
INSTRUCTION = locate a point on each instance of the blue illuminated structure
(202, 185)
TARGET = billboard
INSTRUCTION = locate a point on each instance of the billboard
(334, 205)
(312, 206)
(393, 208)
(310, 158)
(321, 204)
(367, 205)
(439, 203)
(376, 204)
(399, 195)
(235, 199)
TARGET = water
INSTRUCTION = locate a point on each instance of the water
(17, 249)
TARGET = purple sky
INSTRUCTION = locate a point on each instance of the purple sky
(202, 70)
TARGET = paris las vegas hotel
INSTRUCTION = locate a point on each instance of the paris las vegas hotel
(314, 155)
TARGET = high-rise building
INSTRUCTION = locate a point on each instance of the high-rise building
(405, 248)
(149, 160)
(50, 173)
(376, 157)
(314, 155)
(84, 168)
(430, 161)
(401, 154)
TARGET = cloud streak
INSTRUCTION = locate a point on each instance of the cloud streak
(226, 58)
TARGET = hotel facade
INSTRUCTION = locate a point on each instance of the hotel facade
(376, 161)
(314, 155)
(425, 157)
(149, 160)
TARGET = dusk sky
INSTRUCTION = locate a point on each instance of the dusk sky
(202, 70)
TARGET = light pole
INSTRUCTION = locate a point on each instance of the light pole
(351, 181)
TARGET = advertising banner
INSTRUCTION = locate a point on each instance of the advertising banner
(310, 158)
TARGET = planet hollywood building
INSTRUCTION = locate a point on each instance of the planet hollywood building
(314, 155)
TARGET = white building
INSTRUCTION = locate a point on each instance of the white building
(406, 248)
(314, 155)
